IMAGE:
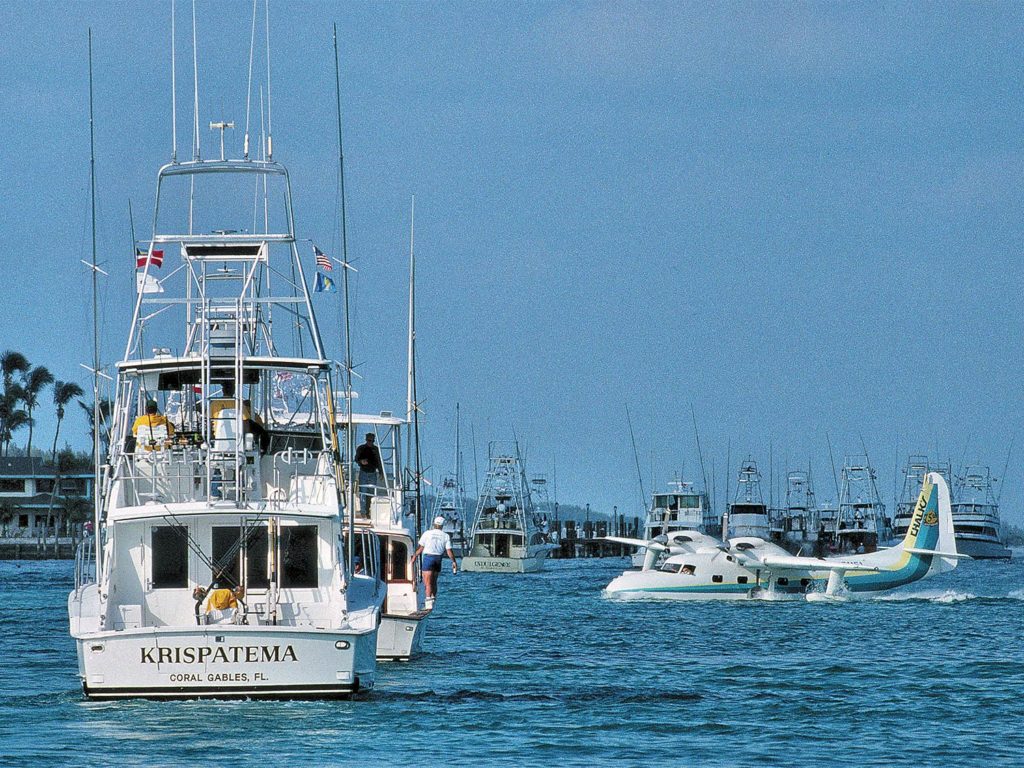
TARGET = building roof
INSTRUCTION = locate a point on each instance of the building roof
(35, 466)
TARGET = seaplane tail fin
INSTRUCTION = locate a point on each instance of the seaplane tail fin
(930, 533)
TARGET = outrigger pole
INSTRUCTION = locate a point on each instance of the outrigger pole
(349, 443)
(412, 403)
(95, 330)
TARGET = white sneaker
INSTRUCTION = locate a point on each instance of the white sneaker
(429, 603)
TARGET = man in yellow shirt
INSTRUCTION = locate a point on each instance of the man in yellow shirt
(152, 427)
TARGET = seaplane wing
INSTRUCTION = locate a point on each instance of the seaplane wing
(794, 563)
(649, 544)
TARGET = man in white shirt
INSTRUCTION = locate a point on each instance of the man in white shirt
(433, 545)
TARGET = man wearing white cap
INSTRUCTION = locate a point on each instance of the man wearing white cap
(433, 545)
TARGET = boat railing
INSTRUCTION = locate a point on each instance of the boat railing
(85, 562)
(196, 474)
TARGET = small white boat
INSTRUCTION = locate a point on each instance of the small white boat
(508, 535)
(392, 517)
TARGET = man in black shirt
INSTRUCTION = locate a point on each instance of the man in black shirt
(370, 470)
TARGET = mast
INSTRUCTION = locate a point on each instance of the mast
(636, 458)
(349, 442)
(412, 405)
(95, 328)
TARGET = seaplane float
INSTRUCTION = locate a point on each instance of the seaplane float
(700, 567)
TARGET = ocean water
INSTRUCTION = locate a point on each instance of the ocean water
(543, 670)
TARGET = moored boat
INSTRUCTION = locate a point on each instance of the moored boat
(976, 515)
(507, 536)
(225, 564)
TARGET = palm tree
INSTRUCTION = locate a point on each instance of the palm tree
(36, 380)
(11, 362)
(63, 393)
(105, 408)
(11, 416)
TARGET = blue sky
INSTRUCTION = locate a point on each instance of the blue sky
(800, 218)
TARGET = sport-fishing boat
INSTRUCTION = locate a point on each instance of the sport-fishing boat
(860, 524)
(508, 535)
(795, 528)
(748, 514)
(976, 515)
(449, 504)
(388, 507)
(226, 558)
(680, 508)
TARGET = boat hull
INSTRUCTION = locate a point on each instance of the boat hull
(504, 564)
(226, 662)
(400, 638)
(982, 549)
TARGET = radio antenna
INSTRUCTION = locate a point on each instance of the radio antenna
(174, 99)
(248, 88)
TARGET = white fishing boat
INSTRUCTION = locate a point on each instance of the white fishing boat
(226, 561)
(508, 535)
(859, 524)
(680, 508)
(976, 515)
(748, 514)
(389, 508)
(450, 501)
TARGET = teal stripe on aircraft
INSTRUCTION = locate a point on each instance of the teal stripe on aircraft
(697, 588)
(916, 566)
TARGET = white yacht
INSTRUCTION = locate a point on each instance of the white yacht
(449, 504)
(681, 508)
(225, 564)
(389, 508)
(748, 514)
(508, 535)
(976, 515)
(859, 524)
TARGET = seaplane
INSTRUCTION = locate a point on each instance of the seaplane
(700, 567)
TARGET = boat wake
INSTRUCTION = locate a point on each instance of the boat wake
(931, 596)
(601, 693)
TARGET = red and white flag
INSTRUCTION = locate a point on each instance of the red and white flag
(143, 257)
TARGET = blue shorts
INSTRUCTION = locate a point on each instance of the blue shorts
(432, 563)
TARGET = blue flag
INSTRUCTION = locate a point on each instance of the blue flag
(324, 284)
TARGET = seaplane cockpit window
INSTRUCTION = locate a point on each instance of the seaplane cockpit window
(299, 556)
(671, 567)
(170, 557)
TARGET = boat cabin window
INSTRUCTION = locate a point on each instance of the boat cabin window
(399, 565)
(717, 578)
(299, 556)
(227, 548)
(169, 546)
(741, 579)
(805, 582)
(782, 581)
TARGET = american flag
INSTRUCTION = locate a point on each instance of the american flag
(322, 262)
